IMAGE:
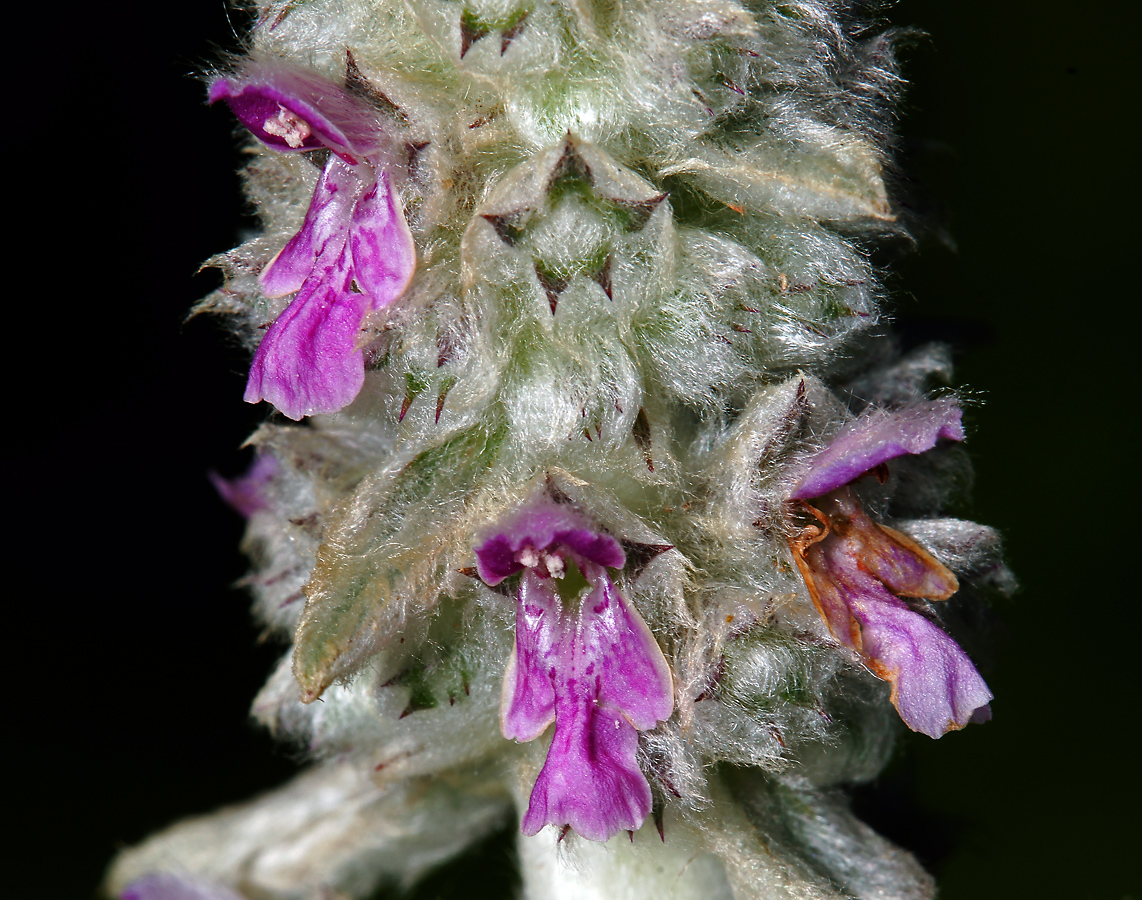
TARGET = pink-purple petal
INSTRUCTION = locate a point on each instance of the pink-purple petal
(246, 494)
(527, 705)
(935, 687)
(907, 569)
(275, 92)
(166, 886)
(877, 438)
(540, 526)
(354, 252)
(495, 559)
(322, 235)
(534, 526)
(309, 361)
(382, 248)
(591, 780)
(609, 678)
(634, 677)
(831, 595)
(855, 575)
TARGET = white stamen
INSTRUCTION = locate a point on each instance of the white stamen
(528, 557)
(290, 128)
(555, 565)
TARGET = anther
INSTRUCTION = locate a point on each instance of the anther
(290, 128)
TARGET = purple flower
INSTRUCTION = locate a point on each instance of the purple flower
(354, 253)
(583, 659)
(166, 886)
(857, 570)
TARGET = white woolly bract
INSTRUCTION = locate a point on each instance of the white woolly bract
(331, 829)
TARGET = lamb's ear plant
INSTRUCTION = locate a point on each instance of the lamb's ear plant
(610, 510)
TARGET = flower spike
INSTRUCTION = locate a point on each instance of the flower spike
(585, 303)
(289, 108)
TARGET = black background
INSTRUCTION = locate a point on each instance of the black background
(133, 661)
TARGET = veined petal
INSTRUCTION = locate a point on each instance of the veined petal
(830, 593)
(290, 108)
(593, 666)
(894, 559)
(384, 255)
(852, 575)
(527, 705)
(634, 675)
(591, 779)
(323, 233)
(935, 687)
(879, 437)
(309, 361)
(857, 556)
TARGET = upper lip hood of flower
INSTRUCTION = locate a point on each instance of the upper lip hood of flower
(538, 528)
(875, 439)
(290, 109)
